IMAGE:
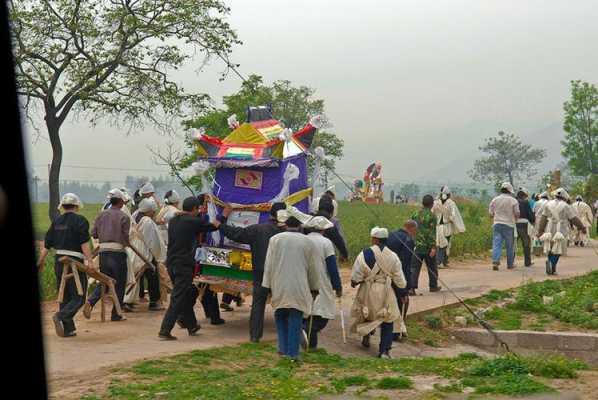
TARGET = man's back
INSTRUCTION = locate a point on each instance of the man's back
(505, 209)
(290, 271)
(68, 232)
(112, 225)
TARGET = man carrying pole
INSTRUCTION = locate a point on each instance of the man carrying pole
(182, 240)
(69, 235)
(111, 228)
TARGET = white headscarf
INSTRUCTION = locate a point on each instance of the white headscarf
(319, 223)
(147, 188)
(173, 198)
(562, 193)
(379, 233)
(147, 205)
(116, 194)
(70, 199)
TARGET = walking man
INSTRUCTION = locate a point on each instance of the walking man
(324, 308)
(449, 223)
(525, 222)
(505, 211)
(69, 235)
(375, 305)
(111, 228)
(556, 217)
(425, 246)
(291, 274)
(258, 238)
(182, 233)
(585, 215)
(402, 243)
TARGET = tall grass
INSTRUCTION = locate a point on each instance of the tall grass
(357, 219)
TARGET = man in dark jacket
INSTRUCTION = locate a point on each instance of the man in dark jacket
(526, 217)
(182, 241)
(402, 243)
(257, 236)
(326, 209)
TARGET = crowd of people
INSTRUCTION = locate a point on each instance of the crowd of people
(142, 240)
(552, 221)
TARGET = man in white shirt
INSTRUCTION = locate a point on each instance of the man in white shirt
(291, 274)
(330, 281)
(504, 208)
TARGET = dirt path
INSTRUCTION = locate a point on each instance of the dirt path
(99, 346)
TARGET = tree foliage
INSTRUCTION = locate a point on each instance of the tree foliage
(507, 159)
(580, 146)
(112, 58)
(292, 105)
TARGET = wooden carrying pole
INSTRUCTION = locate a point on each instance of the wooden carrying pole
(105, 281)
(139, 274)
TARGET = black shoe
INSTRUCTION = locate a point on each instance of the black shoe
(118, 319)
(218, 321)
(58, 325)
(166, 336)
(127, 308)
(385, 355)
(435, 289)
(194, 331)
(226, 307)
(155, 307)
(365, 341)
(70, 334)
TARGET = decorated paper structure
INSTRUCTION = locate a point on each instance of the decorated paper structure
(257, 164)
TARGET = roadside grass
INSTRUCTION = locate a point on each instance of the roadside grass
(256, 371)
(574, 306)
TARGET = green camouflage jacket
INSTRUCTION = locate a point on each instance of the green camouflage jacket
(426, 231)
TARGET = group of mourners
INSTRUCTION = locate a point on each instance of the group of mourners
(294, 260)
(548, 220)
(141, 241)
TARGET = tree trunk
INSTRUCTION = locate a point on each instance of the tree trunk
(54, 174)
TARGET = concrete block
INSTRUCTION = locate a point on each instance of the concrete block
(578, 341)
(476, 337)
(509, 337)
(538, 340)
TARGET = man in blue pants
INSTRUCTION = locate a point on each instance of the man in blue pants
(291, 274)
(504, 209)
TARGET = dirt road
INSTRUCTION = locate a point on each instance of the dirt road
(100, 345)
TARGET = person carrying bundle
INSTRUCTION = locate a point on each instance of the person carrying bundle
(375, 305)
(69, 235)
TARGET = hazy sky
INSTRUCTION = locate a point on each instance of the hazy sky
(416, 84)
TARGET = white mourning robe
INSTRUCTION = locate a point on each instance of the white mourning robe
(453, 224)
(559, 213)
(375, 301)
(291, 271)
(585, 215)
(325, 303)
(148, 242)
(163, 218)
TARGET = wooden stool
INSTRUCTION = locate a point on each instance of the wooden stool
(105, 281)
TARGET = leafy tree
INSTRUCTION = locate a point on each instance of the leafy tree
(111, 59)
(508, 158)
(292, 105)
(580, 146)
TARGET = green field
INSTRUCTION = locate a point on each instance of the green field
(356, 218)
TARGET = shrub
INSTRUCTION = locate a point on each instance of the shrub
(400, 382)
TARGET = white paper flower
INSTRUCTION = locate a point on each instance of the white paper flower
(232, 122)
(196, 134)
(320, 153)
(285, 135)
(317, 121)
